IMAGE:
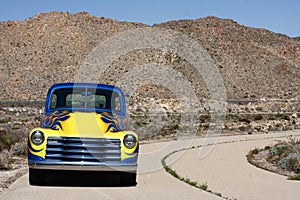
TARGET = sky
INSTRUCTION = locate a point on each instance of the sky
(280, 16)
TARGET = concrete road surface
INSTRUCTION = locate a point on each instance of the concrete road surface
(225, 170)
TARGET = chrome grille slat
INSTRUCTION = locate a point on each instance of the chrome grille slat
(86, 150)
(82, 145)
(83, 151)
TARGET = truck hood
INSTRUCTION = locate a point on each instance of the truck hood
(83, 124)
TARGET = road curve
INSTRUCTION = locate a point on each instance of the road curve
(225, 170)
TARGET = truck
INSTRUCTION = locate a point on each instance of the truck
(84, 127)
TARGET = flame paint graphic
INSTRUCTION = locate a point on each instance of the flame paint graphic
(115, 123)
(53, 120)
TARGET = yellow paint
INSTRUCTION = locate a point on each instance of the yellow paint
(85, 125)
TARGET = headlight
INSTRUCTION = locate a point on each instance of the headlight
(37, 137)
(129, 141)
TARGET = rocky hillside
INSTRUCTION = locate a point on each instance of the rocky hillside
(50, 47)
(254, 62)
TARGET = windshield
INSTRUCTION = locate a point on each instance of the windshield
(85, 98)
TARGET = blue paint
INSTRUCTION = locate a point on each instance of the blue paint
(32, 157)
(130, 160)
(32, 149)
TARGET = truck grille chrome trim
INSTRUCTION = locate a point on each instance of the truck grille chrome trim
(87, 150)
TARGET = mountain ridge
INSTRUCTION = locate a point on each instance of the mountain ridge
(50, 47)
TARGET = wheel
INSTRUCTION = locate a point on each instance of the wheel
(128, 178)
(36, 177)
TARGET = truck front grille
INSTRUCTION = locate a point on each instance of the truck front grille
(67, 149)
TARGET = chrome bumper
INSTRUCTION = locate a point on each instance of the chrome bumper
(124, 168)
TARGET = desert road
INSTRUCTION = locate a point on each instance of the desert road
(224, 168)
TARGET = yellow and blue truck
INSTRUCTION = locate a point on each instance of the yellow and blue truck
(84, 127)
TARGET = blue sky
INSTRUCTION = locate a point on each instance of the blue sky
(275, 15)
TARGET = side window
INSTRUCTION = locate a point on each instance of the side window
(53, 102)
(117, 103)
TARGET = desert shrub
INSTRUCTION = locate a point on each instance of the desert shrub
(14, 141)
(245, 120)
(267, 147)
(19, 149)
(290, 163)
(255, 151)
(5, 160)
(5, 140)
(278, 150)
(282, 116)
(203, 186)
(285, 155)
(5, 120)
(295, 178)
(258, 117)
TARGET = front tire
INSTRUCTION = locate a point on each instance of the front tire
(36, 177)
(128, 179)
